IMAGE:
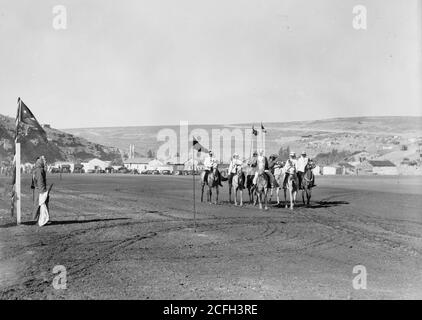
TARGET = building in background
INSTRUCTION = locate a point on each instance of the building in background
(328, 170)
(380, 167)
(95, 165)
(140, 164)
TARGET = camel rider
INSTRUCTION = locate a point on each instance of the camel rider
(271, 166)
(302, 162)
(262, 166)
(253, 161)
(208, 164)
(300, 166)
(289, 167)
(235, 164)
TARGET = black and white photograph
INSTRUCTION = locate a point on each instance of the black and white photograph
(198, 150)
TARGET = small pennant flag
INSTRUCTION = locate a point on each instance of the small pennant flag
(197, 146)
(27, 123)
(262, 128)
(254, 131)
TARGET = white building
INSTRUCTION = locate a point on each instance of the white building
(317, 170)
(326, 171)
(95, 164)
(60, 164)
(140, 164)
(158, 165)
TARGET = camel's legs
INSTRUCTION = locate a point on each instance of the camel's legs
(235, 196)
(266, 198)
(216, 197)
(202, 193)
(278, 195)
(285, 198)
(308, 195)
(230, 194)
(209, 194)
(292, 198)
(241, 197)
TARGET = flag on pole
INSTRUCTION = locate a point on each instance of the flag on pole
(263, 129)
(26, 124)
(197, 146)
(254, 131)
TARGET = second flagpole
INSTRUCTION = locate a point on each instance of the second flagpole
(194, 198)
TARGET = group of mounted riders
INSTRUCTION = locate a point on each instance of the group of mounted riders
(260, 174)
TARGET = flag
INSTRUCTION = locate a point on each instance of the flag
(254, 131)
(197, 146)
(262, 128)
(27, 123)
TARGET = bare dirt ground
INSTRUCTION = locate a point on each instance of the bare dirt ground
(132, 237)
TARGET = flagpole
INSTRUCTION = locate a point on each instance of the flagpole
(18, 183)
(194, 198)
(18, 173)
(251, 140)
(262, 138)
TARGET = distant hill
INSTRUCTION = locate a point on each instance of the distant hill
(61, 146)
(379, 136)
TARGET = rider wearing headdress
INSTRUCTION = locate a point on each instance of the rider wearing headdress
(209, 163)
(263, 166)
(272, 163)
(302, 162)
(289, 167)
(252, 161)
(235, 165)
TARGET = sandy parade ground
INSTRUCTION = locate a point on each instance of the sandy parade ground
(133, 237)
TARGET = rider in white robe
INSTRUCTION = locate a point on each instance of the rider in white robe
(209, 163)
(262, 166)
(235, 164)
(289, 167)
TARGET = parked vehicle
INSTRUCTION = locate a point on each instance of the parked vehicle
(155, 172)
(65, 168)
(109, 170)
(78, 168)
(166, 172)
(123, 170)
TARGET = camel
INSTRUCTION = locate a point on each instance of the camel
(307, 184)
(261, 190)
(237, 184)
(279, 178)
(211, 182)
(293, 186)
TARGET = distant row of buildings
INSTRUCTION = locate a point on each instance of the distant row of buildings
(366, 167)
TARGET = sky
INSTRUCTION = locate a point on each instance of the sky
(157, 62)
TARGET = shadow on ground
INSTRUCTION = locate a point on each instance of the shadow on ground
(62, 222)
(313, 205)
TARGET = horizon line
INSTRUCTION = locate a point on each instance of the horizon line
(235, 124)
